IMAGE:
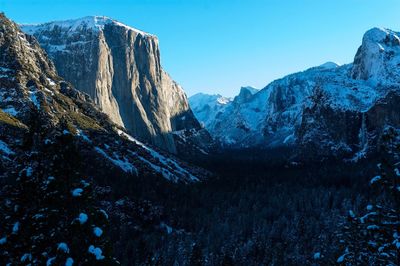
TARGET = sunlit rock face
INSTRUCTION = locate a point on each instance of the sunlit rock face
(119, 67)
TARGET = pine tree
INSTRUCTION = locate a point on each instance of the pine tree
(374, 238)
(196, 258)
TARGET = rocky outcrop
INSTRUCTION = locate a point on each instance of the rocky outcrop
(119, 67)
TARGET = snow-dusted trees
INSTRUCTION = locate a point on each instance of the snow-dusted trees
(374, 237)
(48, 214)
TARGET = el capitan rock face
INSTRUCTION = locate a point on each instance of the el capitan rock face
(119, 67)
(325, 110)
(36, 105)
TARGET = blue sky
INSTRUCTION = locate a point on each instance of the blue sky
(216, 46)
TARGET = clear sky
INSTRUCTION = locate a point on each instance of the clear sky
(217, 46)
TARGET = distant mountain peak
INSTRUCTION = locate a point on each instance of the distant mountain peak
(250, 89)
(329, 65)
(245, 94)
(203, 98)
(306, 106)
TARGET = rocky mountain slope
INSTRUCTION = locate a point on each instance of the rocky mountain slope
(31, 90)
(66, 170)
(119, 67)
(328, 109)
(207, 108)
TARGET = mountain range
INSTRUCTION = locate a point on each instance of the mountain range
(105, 161)
(328, 110)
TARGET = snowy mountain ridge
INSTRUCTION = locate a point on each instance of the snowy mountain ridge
(96, 23)
(287, 110)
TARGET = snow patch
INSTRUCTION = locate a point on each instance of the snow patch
(104, 213)
(69, 262)
(96, 251)
(29, 171)
(33, 97)
(26, 257)
(50, 261)
(5, 149)
(77, 192)
(167, 228)
(317, 256)
(97, 231)
(10, 110)
(82, 218)
(63, 247)
(167, 162)
(51, 82)
(15, 228)
(80, 133)
(124, 164)
(375, 179)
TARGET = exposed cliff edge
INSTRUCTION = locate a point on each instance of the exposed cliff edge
(119, 67)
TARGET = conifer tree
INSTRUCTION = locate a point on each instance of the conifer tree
(374, 237)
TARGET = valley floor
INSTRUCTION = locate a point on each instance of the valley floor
(254, 213)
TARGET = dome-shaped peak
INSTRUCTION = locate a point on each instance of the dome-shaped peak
(329, 65)
(245, 94)
(379, 35)
(378, 56)
(247, 89)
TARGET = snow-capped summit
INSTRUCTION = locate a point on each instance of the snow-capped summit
(378, 58)
(201, 99)
(72, 25)
(378, 35)
(206, 107)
